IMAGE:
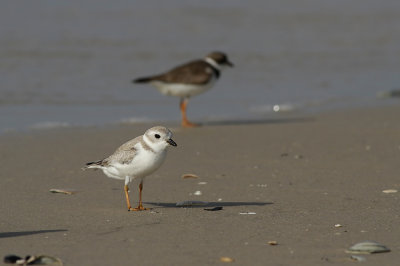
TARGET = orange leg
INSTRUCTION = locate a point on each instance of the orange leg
(140, 206)
(126, 189)
(185, 121)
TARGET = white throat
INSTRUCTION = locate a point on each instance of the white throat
(148, 142)
(213, 63)
(155, 146)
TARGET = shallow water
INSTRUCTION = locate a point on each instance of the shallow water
(71, 63)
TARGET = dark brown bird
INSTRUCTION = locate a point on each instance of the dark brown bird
(189, 79)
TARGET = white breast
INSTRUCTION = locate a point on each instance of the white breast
(182, 90)
(143, 164)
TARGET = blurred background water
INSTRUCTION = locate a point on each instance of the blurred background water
(70, 63)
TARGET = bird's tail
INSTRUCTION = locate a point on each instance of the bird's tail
(97, 164)
(142, 80)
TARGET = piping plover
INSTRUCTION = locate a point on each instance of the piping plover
(189, 79)
(137, 158)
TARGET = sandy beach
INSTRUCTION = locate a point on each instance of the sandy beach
(299, 175)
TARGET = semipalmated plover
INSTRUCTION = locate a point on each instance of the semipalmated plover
(189, 79)
(137, 158)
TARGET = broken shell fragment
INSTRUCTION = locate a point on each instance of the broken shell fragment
(226, 259)
(45, 260)
(357, 258)
(63, 191)
(191, 203)
(390, 191)
(247, 213)
(367, 247)
(273, 243)
(186, 176)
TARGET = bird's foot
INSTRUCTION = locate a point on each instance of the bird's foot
(189, 124)
(139, 208)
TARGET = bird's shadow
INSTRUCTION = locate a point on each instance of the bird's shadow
(233, 122)
(26, 233)
(210, 204)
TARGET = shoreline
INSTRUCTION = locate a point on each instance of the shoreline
(54, 125)
(25, 120)
(300, 176)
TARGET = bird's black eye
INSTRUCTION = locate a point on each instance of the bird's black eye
(157, 136)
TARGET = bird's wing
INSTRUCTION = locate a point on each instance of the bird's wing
(125, 153)
(195, 72)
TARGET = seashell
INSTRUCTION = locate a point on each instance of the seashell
(190, 203)
(367, 247)
(44, 260)
(62, 191)
(390, 191)
(226, 259)
(338, 225)
(186, 176)
(198, 193)
(33, 260)
(273, 243)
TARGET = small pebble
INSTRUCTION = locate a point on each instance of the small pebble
(218, 208)
(273, 243)
(186, 176)
(226, 259)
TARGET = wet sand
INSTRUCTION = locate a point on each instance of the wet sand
(299, 176)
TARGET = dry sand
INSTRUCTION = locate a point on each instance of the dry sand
(300, 177)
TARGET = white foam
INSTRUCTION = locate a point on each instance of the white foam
(49, 125)
(134, 120)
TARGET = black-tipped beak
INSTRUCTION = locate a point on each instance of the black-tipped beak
(172, 143)
(229, 63)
